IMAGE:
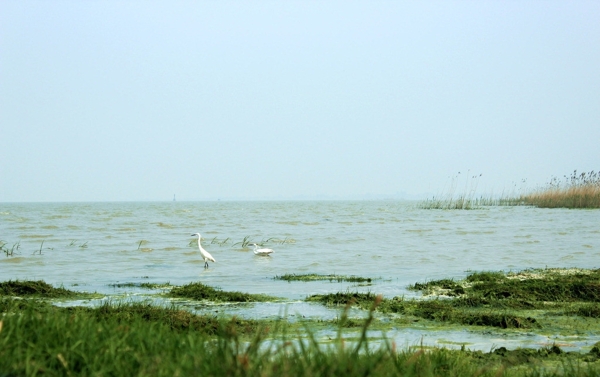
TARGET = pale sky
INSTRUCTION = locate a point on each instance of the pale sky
(141, 100)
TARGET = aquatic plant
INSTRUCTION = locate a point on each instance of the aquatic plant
(199, 291)
(138, 339)
(40, 250)
(245, 242)
(450, 199)
(315, 277)
(9, 252)
(490, 298)
(142, 339)
(33, 288)
(579, 190)
(141, 285)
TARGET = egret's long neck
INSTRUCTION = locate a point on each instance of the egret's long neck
(199, 241)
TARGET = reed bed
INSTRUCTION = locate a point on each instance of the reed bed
(580, 190)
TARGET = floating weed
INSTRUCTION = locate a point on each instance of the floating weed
(84, 245)
(316, 277)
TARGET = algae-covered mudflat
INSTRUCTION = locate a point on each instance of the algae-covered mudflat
(136, 338)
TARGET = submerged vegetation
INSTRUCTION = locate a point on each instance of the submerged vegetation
(330, 277)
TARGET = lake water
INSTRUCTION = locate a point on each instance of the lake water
(92, 246)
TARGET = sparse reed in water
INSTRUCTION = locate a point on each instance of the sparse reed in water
(9, 252)
(449, 199)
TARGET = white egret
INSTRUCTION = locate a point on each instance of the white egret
(258, 251)
(205, 254)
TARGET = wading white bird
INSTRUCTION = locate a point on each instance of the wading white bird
(205, 254)
(258, 251)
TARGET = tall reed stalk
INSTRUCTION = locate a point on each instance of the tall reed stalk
(450, 199)
(576, 191)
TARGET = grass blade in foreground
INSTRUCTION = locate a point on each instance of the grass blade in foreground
(40, 339)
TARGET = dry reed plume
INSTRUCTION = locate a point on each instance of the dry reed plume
(577, 191)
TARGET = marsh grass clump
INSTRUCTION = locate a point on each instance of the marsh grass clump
(141, 285)
(140, 340)
(491, 298)
(587, 310)
(580, 190)
(363, 300)
(199, 291)
(38, 288)
(446, 287)
(318, 277)
(173, 317)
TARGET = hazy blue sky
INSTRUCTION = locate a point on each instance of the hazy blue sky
(140, 100)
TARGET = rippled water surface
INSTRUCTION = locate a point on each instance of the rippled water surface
(90, 246)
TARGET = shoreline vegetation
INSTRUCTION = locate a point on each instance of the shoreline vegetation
(579, 190)
(136, 338)
(318, 277)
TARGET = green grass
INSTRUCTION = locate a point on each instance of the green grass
(527, 299)
(35, 289)
(316, 277)
(199, 291)
(141, 285)
(140, 340)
